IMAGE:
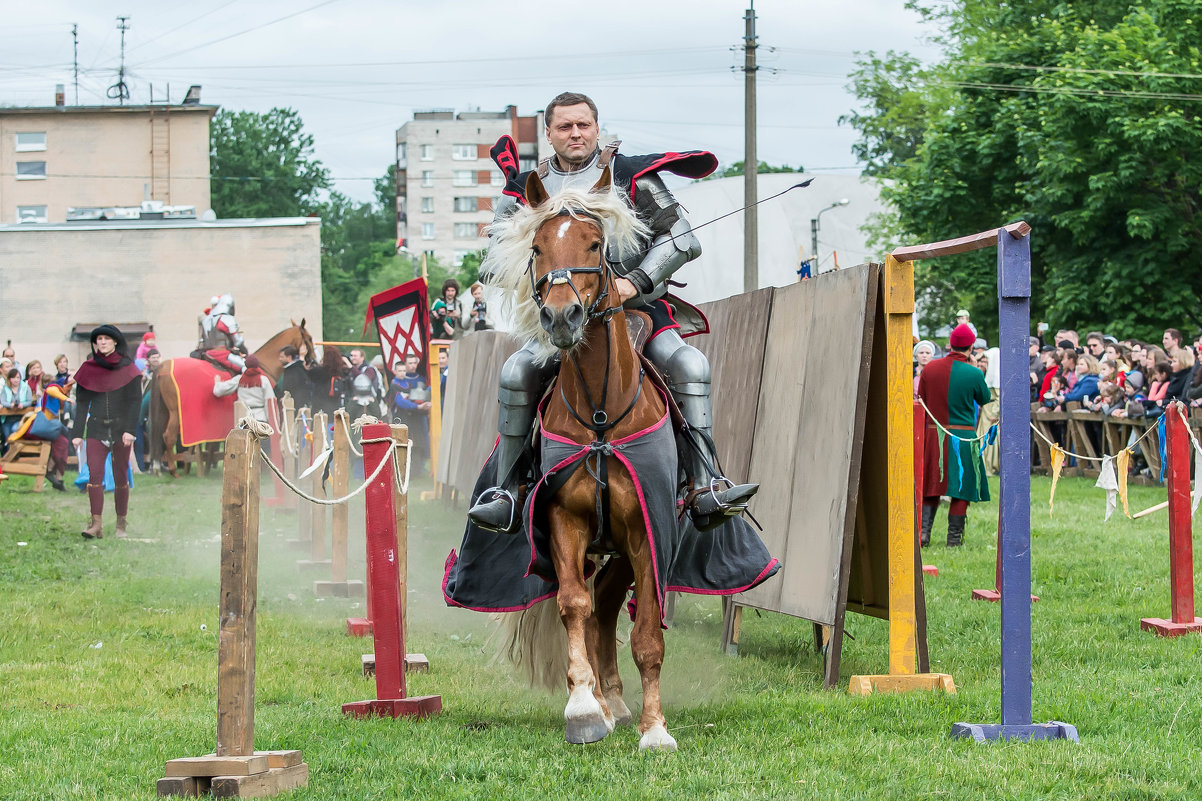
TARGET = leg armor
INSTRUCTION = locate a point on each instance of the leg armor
(687, 371)
(522, 382)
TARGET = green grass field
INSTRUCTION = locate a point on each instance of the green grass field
(108, 654)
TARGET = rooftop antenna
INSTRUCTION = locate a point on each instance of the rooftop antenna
(120, 91)
(75, 60)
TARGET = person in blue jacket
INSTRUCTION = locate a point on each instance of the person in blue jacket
(1087, 380)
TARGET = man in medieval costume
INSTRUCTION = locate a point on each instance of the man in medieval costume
(953, 389)
(578, 163)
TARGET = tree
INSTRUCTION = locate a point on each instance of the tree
(1080, 118)
(262, 165)
(764, 168)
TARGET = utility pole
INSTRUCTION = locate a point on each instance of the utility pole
(75, 60)
(120, 91)
(751, 273)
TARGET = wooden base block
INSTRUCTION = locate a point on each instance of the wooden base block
(338, 589)
(260, 774)
(1167, 628)
(866, 685)
(427, 495)
(414, 663)
(420, 706)
(930, 570)
(213, 765)
(985, 732)
(306, 565)
(358, 627)
(993, 596)
(270, 782)
(300, 545)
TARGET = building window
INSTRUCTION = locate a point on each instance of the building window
(427, 205)
(527, 164)
(30, 140)
(30, 170)
(463, 152)
(463, 178)
(497, 178)
(427, 152)
(459, 257)
(465, 204)
(466, 230)
(400, 153)
(427, 230)
(427, 177)
(32, 214)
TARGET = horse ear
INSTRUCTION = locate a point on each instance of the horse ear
(302, 325)
(604, 182)
(536, 193)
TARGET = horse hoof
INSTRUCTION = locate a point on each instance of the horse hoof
(619, 710)
(580, 732)
(584, 718)
(657, 739)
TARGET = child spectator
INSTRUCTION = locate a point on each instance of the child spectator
(1160, 384)
(33, 377)
(15, 399)
(409, 403)
(1086, 385)
(148, 344)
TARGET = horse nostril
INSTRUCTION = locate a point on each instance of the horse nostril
(546, 317)
(574, 315)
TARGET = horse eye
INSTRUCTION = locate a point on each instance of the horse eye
(537, 251)
(596, 246)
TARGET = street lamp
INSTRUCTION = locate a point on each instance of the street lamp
(814, 230)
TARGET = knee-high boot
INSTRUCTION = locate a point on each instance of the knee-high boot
(928, 520)
(121, 503)
(96, 502)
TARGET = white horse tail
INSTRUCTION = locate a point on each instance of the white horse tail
(534, 641)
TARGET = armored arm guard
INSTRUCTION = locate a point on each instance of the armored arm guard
(673, 244)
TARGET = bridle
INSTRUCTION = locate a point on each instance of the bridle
(604, 268)
(599, 423)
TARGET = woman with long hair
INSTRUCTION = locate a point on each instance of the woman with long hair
(108, 396)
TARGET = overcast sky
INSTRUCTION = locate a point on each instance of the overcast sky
(660, 72)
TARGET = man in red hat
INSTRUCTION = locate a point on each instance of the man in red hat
(952, 389)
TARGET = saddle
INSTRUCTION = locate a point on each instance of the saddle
(218, 357)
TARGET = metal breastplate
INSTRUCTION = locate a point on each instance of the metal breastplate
(362, 390)
(556, 180)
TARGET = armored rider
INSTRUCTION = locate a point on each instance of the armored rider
(578, 163)
(219, 330)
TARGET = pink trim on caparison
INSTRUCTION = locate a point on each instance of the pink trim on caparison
(695, 591)
(638, 488)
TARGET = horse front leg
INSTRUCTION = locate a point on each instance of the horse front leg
(647, 646)
(585, 717)
(611, 588)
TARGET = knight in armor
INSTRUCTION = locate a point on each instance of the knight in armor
(363, 388)
(578, 163)
(219, 330)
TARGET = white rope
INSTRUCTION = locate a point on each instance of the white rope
(332, 501)
(947, 433)
(1052, 444)
(349, 440)
(286, 435)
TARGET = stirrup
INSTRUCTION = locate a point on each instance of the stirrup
(495, 510)
(710, 506)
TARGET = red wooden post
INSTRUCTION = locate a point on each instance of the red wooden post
(1181, 550)
(384, 569)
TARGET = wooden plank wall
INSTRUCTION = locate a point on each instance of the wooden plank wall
(470, 422)
(805, 436)
(735, 348)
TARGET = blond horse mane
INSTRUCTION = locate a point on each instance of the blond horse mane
(512, 238)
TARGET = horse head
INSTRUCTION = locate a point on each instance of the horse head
(570, 277)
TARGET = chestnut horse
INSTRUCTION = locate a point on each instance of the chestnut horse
(601, 399)
(164, 404)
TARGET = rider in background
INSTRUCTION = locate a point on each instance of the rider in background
(578, 163)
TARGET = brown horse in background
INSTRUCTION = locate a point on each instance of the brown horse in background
(580, 312)
(164, 406)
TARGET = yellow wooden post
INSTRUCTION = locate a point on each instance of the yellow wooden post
(899, 427)
(436, 348)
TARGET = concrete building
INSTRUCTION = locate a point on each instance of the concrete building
(60, 157)
(60, 280)
(447, 183)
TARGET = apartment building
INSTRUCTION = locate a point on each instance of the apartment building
(447, 183)
(57, 158)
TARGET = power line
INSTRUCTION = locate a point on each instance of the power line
(179, 27)
(242, 32)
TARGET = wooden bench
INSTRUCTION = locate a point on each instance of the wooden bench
(28, 457)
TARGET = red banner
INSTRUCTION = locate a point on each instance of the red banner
(402, 316)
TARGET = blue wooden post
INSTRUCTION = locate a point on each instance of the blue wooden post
(1014, 320)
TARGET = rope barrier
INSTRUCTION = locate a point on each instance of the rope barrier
(1098, 459)
(945, 431)
(286, 436)
(260, 430)
(350, 440)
